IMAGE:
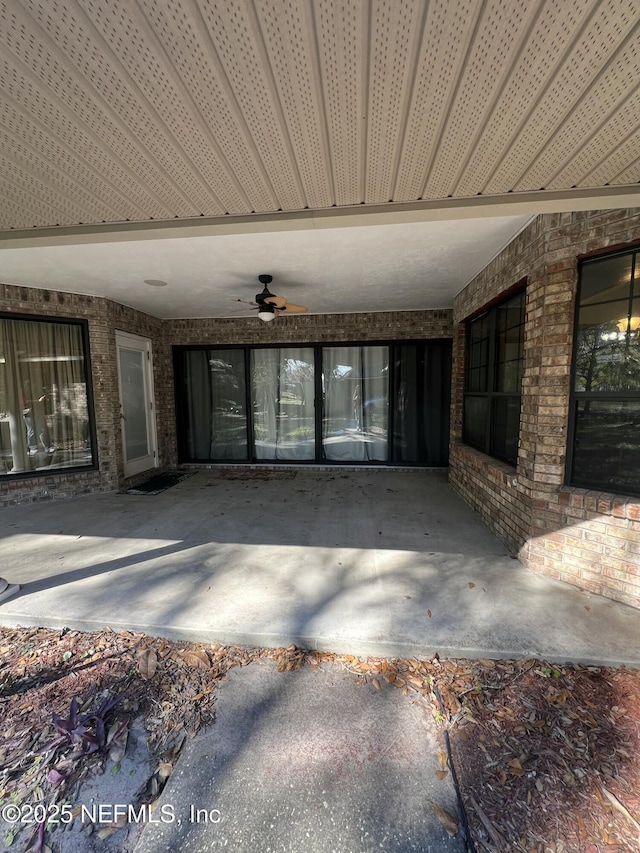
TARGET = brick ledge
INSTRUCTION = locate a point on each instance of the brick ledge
(604, 503)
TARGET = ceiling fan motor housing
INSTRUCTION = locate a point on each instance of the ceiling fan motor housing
(270, 305)
(264, 280)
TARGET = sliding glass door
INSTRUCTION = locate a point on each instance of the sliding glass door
(421, 380)
(355, 403)
(213, 405)
(283, 395)
(355, 413)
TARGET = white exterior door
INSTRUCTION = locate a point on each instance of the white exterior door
(137, 410)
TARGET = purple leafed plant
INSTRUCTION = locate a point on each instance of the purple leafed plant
(86, 732)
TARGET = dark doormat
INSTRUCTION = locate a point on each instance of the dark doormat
(158, 483)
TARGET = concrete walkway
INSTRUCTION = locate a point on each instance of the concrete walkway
(309, 762)
(352, 561)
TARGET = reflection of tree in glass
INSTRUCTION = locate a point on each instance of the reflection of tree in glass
(228, 424)
(607, 360)
(283, 396)
(297, 377)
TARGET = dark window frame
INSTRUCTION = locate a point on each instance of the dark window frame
(317, 347)
(578, 397)
(83, 325)
(491, 395)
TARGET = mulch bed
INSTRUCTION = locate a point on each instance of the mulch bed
(547, 757)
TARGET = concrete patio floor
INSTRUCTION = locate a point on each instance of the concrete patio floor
(366, 562)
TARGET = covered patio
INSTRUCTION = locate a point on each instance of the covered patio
(352, 560)
(407, 178)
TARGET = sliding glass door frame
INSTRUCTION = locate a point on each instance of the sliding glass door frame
(180, 397)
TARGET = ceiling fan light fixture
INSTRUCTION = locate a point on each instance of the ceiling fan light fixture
(269, 305)
(267, 312)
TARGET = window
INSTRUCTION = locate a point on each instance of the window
(45, 423)
(351, 403)
(356, 403)
(493, 374)
(605, 398)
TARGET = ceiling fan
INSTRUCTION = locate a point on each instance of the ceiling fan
(271, 306)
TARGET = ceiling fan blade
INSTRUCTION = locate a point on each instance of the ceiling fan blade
(290, 308)
(276, 301)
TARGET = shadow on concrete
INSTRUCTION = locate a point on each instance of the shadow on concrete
(368, 562)
(309, 761)
(383, 565)
(362, 509)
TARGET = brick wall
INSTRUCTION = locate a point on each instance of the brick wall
(302, 329)
(585, 538)
(589, 539)
(313, 328)
(104, 317)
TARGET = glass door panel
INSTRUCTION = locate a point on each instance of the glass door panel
(282, 391)
(216, 416)
(136, 403)
(422, 396)
(134, 413)
(365, 403)
(355, 413)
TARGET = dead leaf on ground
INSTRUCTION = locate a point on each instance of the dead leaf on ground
(117, 741)
(147, 663)
(197, 659)
(165, 769)
(448, 821)
(109, 828)
(515, 767)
